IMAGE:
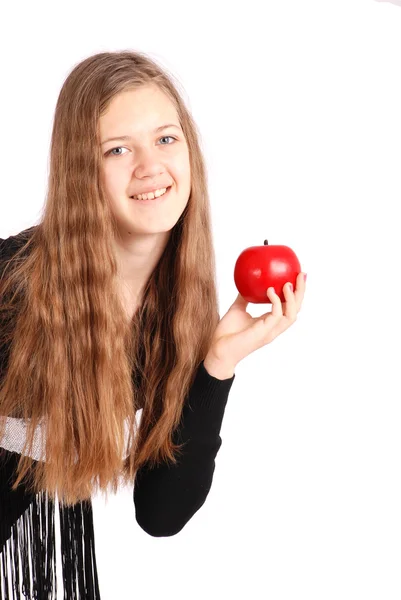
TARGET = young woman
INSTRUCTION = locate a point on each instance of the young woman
(109, 306)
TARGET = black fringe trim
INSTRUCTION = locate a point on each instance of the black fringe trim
(28, 557)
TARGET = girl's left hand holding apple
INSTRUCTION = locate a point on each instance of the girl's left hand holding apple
(238, 334)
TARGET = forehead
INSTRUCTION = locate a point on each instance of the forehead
(137, 112)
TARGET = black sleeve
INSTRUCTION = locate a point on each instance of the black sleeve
(12, 503)
(167, 496)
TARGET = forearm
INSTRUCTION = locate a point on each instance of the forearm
(167, 496)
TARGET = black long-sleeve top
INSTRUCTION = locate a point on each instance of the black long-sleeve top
(167, 496)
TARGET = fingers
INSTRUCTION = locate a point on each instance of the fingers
(291, 308)
(277, 309)
(300, 290)
(293, 299)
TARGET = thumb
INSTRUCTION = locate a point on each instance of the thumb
(240, 302)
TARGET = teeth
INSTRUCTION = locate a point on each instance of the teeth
(151, 195)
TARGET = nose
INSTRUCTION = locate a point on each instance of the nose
(148, 163)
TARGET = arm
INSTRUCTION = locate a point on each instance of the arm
(167, 496)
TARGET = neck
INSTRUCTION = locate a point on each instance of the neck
(137, 257)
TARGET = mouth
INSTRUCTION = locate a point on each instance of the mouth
(153, 200)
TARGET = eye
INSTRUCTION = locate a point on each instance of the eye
(109, 152)
(165, 137)
(117, 148)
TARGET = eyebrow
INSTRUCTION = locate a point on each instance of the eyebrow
(128, 137)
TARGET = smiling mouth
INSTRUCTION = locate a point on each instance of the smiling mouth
(152, 201)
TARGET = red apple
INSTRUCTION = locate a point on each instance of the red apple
(260, 267)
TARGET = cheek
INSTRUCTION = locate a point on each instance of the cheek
(183, 168)
(114, 179)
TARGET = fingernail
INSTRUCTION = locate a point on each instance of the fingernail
(290, 286)
(305, 276)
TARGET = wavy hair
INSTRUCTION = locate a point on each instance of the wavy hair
(75, 360)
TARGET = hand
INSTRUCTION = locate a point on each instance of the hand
(238, 334)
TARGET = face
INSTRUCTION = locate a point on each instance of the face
(147, 160)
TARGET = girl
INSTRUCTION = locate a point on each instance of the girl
(109, 306)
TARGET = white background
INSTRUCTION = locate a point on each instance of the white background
(299, 107)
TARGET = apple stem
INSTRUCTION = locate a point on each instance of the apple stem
(266, 243)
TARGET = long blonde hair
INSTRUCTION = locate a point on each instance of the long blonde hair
(74, 359)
